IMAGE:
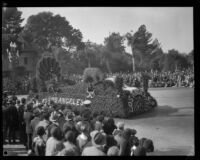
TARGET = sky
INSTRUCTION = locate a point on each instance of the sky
(172, 26)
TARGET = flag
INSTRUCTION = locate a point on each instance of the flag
(17, 53)
(9, 56)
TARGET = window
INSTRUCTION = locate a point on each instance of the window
(25, 60)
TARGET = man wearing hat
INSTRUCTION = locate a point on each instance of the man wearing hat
(35, 121)
(12, 120)
(87, 107)
(54, 123)
(45, 123)
(98, 141)
(28, 116)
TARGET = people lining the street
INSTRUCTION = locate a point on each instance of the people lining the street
(82, 133)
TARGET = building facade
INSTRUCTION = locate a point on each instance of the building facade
(28, 60)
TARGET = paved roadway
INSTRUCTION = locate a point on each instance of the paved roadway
(170, 126)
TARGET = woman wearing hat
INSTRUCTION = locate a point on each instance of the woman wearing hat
(98, 141)
(54, 144)
(39, 143)
(28, 116)
(35, 121)
(84, 138)
(54, 123)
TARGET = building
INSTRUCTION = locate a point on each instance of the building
(27, 61)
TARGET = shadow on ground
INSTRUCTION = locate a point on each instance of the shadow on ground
(162, 111)
(184, 151)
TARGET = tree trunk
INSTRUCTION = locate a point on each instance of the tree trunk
(89, 63)
(108, 66)
(133, 59)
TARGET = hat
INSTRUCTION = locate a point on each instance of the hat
(36, 112)
(54, 117)
(70, 116)
(133, 131)
(87, 102)
(139, 151)
(86, 115)
(98, 138)
(67, 126)
(113, 151)
(120, 125)
(40, 130)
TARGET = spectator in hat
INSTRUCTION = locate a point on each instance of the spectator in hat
(35, 121)
(100, 118)
(94, 119)
(122, 142)
(17, 104)
(12, 121)
(98, 141)
(120, 128)
(148, 145)
(113, 151)
(98, 126)
(84, 138)
(132, 140)
(109, 126)
(22, 124)
(54, 123)
(45, 123)
(54, 144)
(70, 126)
(69, 142)
(28, 116)
(5, 119)
(110, 141)
(39, 143)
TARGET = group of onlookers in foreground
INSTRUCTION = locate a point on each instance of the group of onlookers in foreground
(49, 129)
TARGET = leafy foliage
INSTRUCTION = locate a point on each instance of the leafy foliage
(47, 30)
(11, 27)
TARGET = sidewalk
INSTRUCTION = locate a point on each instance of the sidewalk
(14, 149)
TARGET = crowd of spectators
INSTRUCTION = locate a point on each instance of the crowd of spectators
(183, 78)
(49, 129)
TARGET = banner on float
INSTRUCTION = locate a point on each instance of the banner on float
(62, 100)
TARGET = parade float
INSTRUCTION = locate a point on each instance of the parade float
(111, 96)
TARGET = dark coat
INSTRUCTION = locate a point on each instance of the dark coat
(28, 116)
(21, 114)
(12, 117)
(34, 123)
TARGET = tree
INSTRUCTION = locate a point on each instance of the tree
(47, 30)
(113, 50)
(175, 60)
(11, 28)
(140, 44)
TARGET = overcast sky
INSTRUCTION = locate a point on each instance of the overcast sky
(172, 26)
